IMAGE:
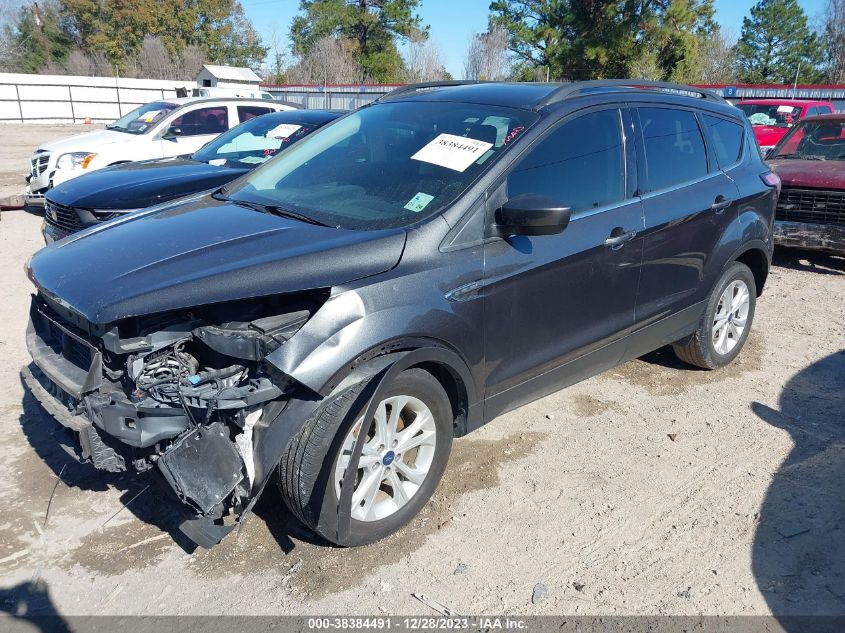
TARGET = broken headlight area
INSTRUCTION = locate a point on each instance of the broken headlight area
(180, 392)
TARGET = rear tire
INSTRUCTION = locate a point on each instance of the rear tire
(726, 322)
(392, 488)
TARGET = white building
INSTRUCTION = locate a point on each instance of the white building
(226, 77)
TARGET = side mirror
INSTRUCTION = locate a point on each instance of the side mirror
(532, 214)
(172, 133)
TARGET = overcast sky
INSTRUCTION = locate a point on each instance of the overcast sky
(453, 22)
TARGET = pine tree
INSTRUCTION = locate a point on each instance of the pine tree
(596, 39)
(776, 43)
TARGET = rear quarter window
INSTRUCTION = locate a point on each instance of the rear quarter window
(674, 147)
(726, 139)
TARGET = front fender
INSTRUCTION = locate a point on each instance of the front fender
(344, 331)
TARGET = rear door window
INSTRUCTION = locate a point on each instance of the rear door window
(245, 113)
(581, 164)
(726, 139)
(212, 120)
(674, 147)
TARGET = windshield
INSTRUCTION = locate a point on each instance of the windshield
(386, 165)
(813, 140)
(255, 141)
(142, 119)
(777, 115)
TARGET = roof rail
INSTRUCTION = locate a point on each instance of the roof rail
(425, 86)
(579, 87)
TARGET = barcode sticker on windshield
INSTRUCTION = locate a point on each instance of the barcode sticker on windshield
(785, 109)
(419, 202)
(285, 130)
(452, 152)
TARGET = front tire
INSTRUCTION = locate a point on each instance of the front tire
(402, 461)
(726, 322)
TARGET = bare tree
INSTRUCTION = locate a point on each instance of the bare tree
(190, 62)
(10, 47)
(153, 60)
(81, 64)
(330, 61)
(646, 66)
(273, 68)
(717, 58)
(834, 37)
(487, 56)
(423, 62)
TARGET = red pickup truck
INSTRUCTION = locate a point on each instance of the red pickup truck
(772, 118)
(810, 160)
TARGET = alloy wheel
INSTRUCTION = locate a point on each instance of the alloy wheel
(395, 459)
(731, 317)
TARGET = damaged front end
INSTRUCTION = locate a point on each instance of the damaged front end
(181, 392)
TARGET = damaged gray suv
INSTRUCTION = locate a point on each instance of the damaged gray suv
(396, 280)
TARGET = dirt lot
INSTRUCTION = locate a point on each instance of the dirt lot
(652, 489)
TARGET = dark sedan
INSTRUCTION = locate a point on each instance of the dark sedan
(108, 193)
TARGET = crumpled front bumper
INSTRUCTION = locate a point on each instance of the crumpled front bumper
(818, 237)
(114, 433)
(67, 378)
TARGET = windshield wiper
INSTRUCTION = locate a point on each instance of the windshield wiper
(276, 210)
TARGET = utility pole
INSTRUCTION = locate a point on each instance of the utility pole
(795, 85)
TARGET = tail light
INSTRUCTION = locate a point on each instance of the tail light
(771, 179)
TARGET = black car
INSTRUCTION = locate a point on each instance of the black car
(108, 193)
(396, 280)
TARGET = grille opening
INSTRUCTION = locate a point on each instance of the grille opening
(813, 206)
(62, 217)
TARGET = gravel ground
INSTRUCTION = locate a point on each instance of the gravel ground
(652, 489)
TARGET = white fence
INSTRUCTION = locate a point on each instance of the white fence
(331, 97)
(68, 99)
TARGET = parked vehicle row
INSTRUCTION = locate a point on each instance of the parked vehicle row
(171, 127)
(772, 118)
(397, 278)
(114, 191)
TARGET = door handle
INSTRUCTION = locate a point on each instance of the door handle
(617, 238)
(721, 204)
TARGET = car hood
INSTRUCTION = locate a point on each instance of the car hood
(817, 174)
(200, 251)
(141, 184)
(87, 142)
(769, 135)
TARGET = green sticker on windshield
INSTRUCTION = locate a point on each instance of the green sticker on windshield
(419, 202)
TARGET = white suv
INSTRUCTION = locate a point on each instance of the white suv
(170, 127)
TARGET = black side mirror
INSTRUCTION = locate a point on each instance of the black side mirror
(532, 214)
(172, 133)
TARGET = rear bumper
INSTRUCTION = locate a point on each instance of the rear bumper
(818, 237)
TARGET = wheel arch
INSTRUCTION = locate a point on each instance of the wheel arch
(431, 355)
(755, 257)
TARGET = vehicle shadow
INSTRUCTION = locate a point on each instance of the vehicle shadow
(56, 447)
(282, 524)
(30, 602)
(798, 556)
(811, 261)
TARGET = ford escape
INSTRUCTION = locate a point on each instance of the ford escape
(397, 279)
